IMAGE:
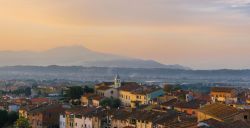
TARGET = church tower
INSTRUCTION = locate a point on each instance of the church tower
(117, 81)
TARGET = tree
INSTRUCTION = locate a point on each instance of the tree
(116, 103)
(168, 88)
(75, 92)
(22, 123)
(7, 118)
(12, 117)
(3, 118)
(87, 89)
(182, 97)
(111, 102)
(27, 91)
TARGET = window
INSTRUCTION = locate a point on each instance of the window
(245, 117)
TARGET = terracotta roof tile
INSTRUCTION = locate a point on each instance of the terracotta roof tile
(222, 89)
(219, 111)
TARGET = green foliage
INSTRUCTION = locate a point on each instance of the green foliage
(12, 117)
(110, 102)
(182, 97)
(7, 118)
(171, 88)
(26, 91)
(168, 88)
(3, 118)
(87, 89)
(75, 92)
(22, 123)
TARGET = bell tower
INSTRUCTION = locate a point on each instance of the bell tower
(117, 81)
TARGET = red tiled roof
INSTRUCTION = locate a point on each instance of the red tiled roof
(222, 89)
(130, 87)
(97, 98)
(40, 100)
(103, 88)
(193, 104)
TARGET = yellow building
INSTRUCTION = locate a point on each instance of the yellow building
(223, 94)
(248, 101)
(126, 93)
(23, 113)
(135, 95)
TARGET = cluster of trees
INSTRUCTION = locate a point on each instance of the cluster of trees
(75, 92)
(26, 91)
(111, 102)
(7, 119)
(171, 88)
(22, 123)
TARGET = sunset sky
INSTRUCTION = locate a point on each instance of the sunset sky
(201, 34)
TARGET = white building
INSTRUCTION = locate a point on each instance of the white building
(62, 122)
(82, 122)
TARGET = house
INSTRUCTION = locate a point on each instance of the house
(120, 118)
(21, 101)
(83, 117)
(107, 91)
(86, 99)
(222, 113)
(190, 107)
(76, 118)
(40, 100)
(91, 100)
(23, 110)
(169, 104)
(212, 123)
(96, 100)
(45, 116)
(126, 94)
(223, 94)
(176, 120)
(144, 119)
(133, 95)
(13, 107)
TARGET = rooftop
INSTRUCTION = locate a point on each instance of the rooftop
(222, 89)
(44, 108)
(129, 86)
(193, 104)
(40, 100)
(219, 111)
(104, 88)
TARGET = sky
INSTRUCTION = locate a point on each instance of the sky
(201, 34)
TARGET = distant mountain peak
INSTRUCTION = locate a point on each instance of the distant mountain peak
(77, 55)
(72, 48)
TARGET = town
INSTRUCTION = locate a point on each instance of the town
(122, 104)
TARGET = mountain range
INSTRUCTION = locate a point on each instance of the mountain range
(77, 56)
